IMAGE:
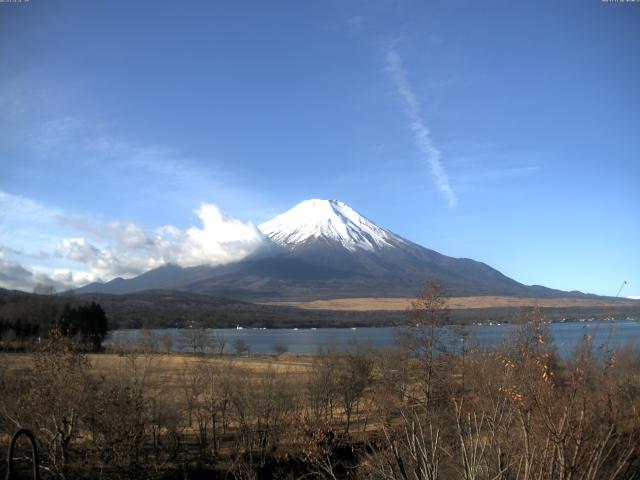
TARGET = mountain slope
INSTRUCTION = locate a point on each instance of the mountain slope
(324, 249)
(330, 233)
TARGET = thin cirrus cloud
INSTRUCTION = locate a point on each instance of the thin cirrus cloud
(421, 133)
(86, 251)
(41, 244)
(72, 154)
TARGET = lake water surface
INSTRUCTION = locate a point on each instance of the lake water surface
(309, 341)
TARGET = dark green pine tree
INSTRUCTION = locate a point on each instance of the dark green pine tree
(88, 321)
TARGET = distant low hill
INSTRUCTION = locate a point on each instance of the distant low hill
(177, 309)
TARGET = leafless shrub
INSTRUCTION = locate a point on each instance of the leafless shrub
(321, 386)
(197, 339)
(262, 410)
(122, 415)
(354, 374)
(408, 450)
(56, 399)
(319, 447)
(211, 404)
(241, 347)
(280, 349)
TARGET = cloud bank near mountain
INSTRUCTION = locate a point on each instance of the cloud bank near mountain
(79, 250)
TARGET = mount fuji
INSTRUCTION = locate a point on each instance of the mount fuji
(323, 249)
(329, 221)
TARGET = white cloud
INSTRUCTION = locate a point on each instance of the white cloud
(220, 240)
(85, 251)
(634, 297)
(130, 250)
(421, 133)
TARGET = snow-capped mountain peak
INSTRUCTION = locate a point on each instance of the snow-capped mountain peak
(328, 220)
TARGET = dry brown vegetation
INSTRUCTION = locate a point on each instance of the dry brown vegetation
(454, 303)
(519, 412)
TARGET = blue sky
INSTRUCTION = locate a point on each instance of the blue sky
(134, 133)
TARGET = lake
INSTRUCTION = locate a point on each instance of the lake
(308, 341)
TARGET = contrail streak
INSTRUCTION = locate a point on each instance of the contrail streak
(421, 133)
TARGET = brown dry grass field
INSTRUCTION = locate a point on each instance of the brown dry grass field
(170, 369)
(454, 303)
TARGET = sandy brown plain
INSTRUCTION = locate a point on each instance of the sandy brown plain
(454, 303)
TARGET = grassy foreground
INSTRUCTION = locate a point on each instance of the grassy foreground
(518, 412)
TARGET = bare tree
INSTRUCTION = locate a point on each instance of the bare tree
(148, 341)
(424, 334)
(123, 413)
(321, 385)
(241, 347)
(262, 409)
(280, 349)
(191, 387)
(196, 338)
(354, 375)
(217, 342)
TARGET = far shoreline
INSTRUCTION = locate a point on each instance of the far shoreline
(380, 326)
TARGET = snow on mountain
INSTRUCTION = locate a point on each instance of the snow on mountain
(328, 220)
